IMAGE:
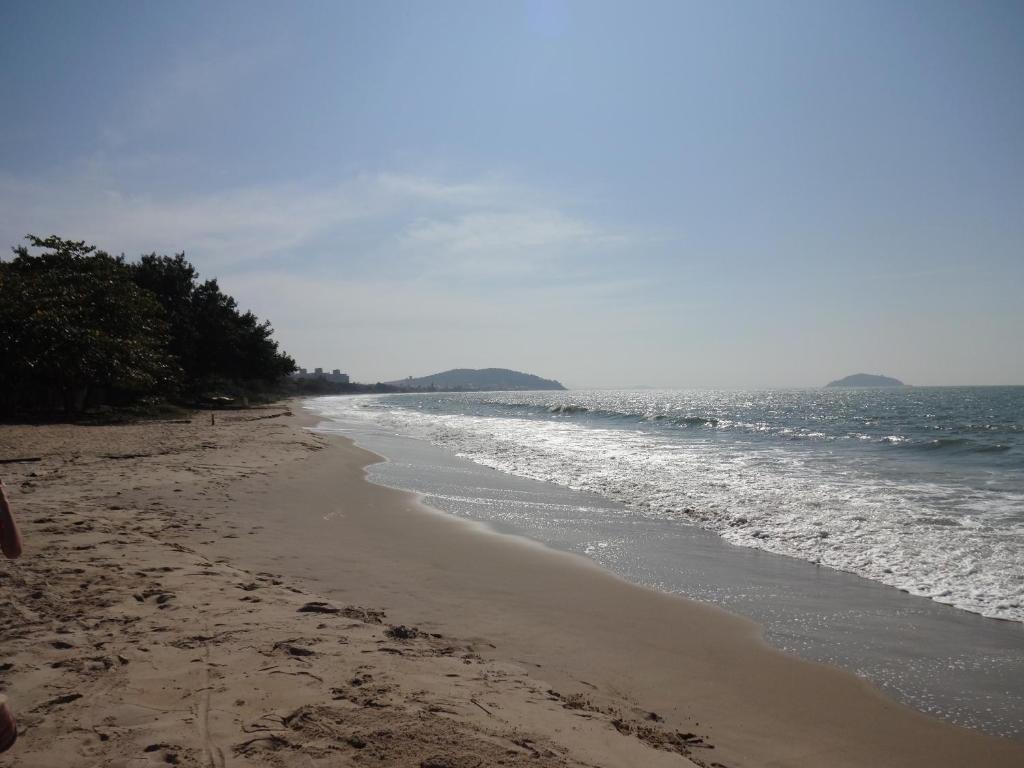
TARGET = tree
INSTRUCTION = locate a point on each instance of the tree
(172, 280)
(77, 323)
(72, 322)
(212, 340)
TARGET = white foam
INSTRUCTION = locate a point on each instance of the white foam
(957, 545)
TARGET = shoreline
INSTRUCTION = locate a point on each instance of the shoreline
(474, 560)
(942, 661)
(257, 519)
(890, 502)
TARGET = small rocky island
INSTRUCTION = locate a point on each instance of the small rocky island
(866, 380)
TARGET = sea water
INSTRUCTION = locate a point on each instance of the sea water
(918, 488)
(765, 503)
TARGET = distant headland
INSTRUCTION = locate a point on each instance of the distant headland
(866, 380)
(319, 382)
(476, 380)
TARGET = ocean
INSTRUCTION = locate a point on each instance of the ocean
(918, 488)
(697, 492)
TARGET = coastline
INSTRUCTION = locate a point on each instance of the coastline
(948, 663)
(243, 524)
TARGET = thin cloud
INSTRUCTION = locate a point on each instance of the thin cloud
(519, 240)
(404, 217)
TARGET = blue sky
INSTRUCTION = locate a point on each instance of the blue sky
(612, 194)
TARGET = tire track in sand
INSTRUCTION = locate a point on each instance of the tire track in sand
(212, 753)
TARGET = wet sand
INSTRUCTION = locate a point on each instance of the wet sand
(240, 595)
(946, 662)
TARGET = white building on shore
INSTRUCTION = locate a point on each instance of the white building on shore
(335, 376)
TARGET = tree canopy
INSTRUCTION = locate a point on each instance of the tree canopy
(210, 338)
(78, 325)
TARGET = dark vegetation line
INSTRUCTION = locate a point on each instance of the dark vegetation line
(81, 329)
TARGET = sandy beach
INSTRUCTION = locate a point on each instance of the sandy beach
(239, 594)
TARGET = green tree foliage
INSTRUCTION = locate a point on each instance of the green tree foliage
(214, 343)
(172, 280)
(80, 325)
(73, 323)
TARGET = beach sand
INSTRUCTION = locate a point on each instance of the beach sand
(238, 594)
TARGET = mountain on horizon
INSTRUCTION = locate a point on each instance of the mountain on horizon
(866, 380)
(477, 380)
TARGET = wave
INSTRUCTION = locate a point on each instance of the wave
(691, 421)
(569, 408)
(941, 443)
(1007, 429)
(956, 444)
(876, 517)
(800, 418)
(685, 421)
(696, 421)
(681, 421)
(993, 448)
(945, 444)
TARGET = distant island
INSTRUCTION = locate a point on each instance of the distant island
(866, 380)
(476, 380)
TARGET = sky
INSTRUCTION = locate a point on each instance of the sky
(613, 194)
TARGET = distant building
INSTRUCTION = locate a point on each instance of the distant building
(335, 376)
